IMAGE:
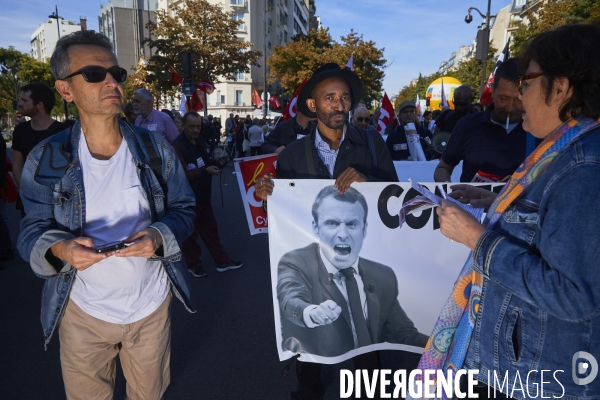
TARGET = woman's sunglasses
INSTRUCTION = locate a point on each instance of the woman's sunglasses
(95, 74)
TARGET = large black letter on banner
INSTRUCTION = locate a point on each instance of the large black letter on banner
(391, 221)
(411, 220)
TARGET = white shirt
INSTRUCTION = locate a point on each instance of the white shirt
(116, 290)
(340, 281)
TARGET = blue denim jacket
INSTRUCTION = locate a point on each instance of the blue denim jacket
(541, 299)
(57, 212)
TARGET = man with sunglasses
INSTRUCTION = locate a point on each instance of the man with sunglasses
(491, 144)
(107, 205)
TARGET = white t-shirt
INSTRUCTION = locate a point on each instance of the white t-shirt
(116, 290)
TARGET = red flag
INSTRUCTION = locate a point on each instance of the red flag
(486, 95)
(387, 113)
(195, 103)
(290, 110)
(206, 86)
(175, 77)
(274, 102)
(256, 100)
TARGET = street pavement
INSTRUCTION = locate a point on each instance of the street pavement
(225, 351)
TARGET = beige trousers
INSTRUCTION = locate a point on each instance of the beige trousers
(89, 347)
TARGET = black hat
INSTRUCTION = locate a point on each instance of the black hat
(330, 70)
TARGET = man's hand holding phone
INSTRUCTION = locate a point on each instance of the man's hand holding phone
(141, 244)
(78, 252)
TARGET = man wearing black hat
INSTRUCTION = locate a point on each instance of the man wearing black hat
(397, 141)
(334, 149)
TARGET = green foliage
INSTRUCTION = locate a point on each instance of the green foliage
(468, 73)
(291, 63)
(551, 15)
(209, 33)
(18, 69)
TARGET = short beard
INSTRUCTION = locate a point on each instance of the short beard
(326, 119)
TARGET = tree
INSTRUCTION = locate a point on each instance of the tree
(18, 69)
(291, 63)
(209, 33)
(468, 73)
(551, 15)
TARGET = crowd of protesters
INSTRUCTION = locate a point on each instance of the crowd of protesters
(544, 116)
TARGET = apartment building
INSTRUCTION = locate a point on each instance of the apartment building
(124, 23)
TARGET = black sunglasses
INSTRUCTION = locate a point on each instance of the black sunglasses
(361, 119)
(95, 74)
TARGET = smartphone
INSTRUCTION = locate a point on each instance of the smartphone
(108, 247)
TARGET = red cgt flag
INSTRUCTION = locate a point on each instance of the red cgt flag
(290, 110)
(486, 95)
(387, 113)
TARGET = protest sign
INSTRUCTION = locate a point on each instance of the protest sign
(248, 170)
(405, 273)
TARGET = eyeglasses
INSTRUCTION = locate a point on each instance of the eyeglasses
(409, 111)
(95, 74)
(521, 81)
(361, 119)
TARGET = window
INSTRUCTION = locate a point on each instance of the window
(219, 97)
(520, 3)
(240, 17)
(239, 76)
(223, 99)
(237, 2)
(238, 97)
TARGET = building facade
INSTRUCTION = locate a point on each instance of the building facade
(44, 38)
(124, 23)
(266, 24)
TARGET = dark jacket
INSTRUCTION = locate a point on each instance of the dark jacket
(200, 180)
(303, 280)
(354, 152)
(284, 133)
(398, 139)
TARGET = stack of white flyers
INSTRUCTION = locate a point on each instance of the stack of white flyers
(428, 200)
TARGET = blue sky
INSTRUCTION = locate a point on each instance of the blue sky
(416, 35)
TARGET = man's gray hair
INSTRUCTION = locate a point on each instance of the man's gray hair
(255, 121)
(60, 62)
(146, 94)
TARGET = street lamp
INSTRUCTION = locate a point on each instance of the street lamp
(55, 16)
(483, 40)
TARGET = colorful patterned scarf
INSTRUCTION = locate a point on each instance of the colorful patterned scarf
(448, 343)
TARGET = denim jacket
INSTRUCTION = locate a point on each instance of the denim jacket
(540, 301)
(56, 212)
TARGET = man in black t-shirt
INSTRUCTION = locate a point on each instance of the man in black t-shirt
(36, 102)
(463, 97)
(491, 144)
(286, 132)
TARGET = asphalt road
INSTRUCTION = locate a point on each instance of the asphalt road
(225, 351)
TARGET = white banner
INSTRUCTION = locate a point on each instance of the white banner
(422, 171)
(404, 274)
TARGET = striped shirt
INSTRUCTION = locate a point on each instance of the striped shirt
(326, 153)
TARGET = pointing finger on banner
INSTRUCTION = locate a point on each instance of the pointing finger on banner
(264, 187)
